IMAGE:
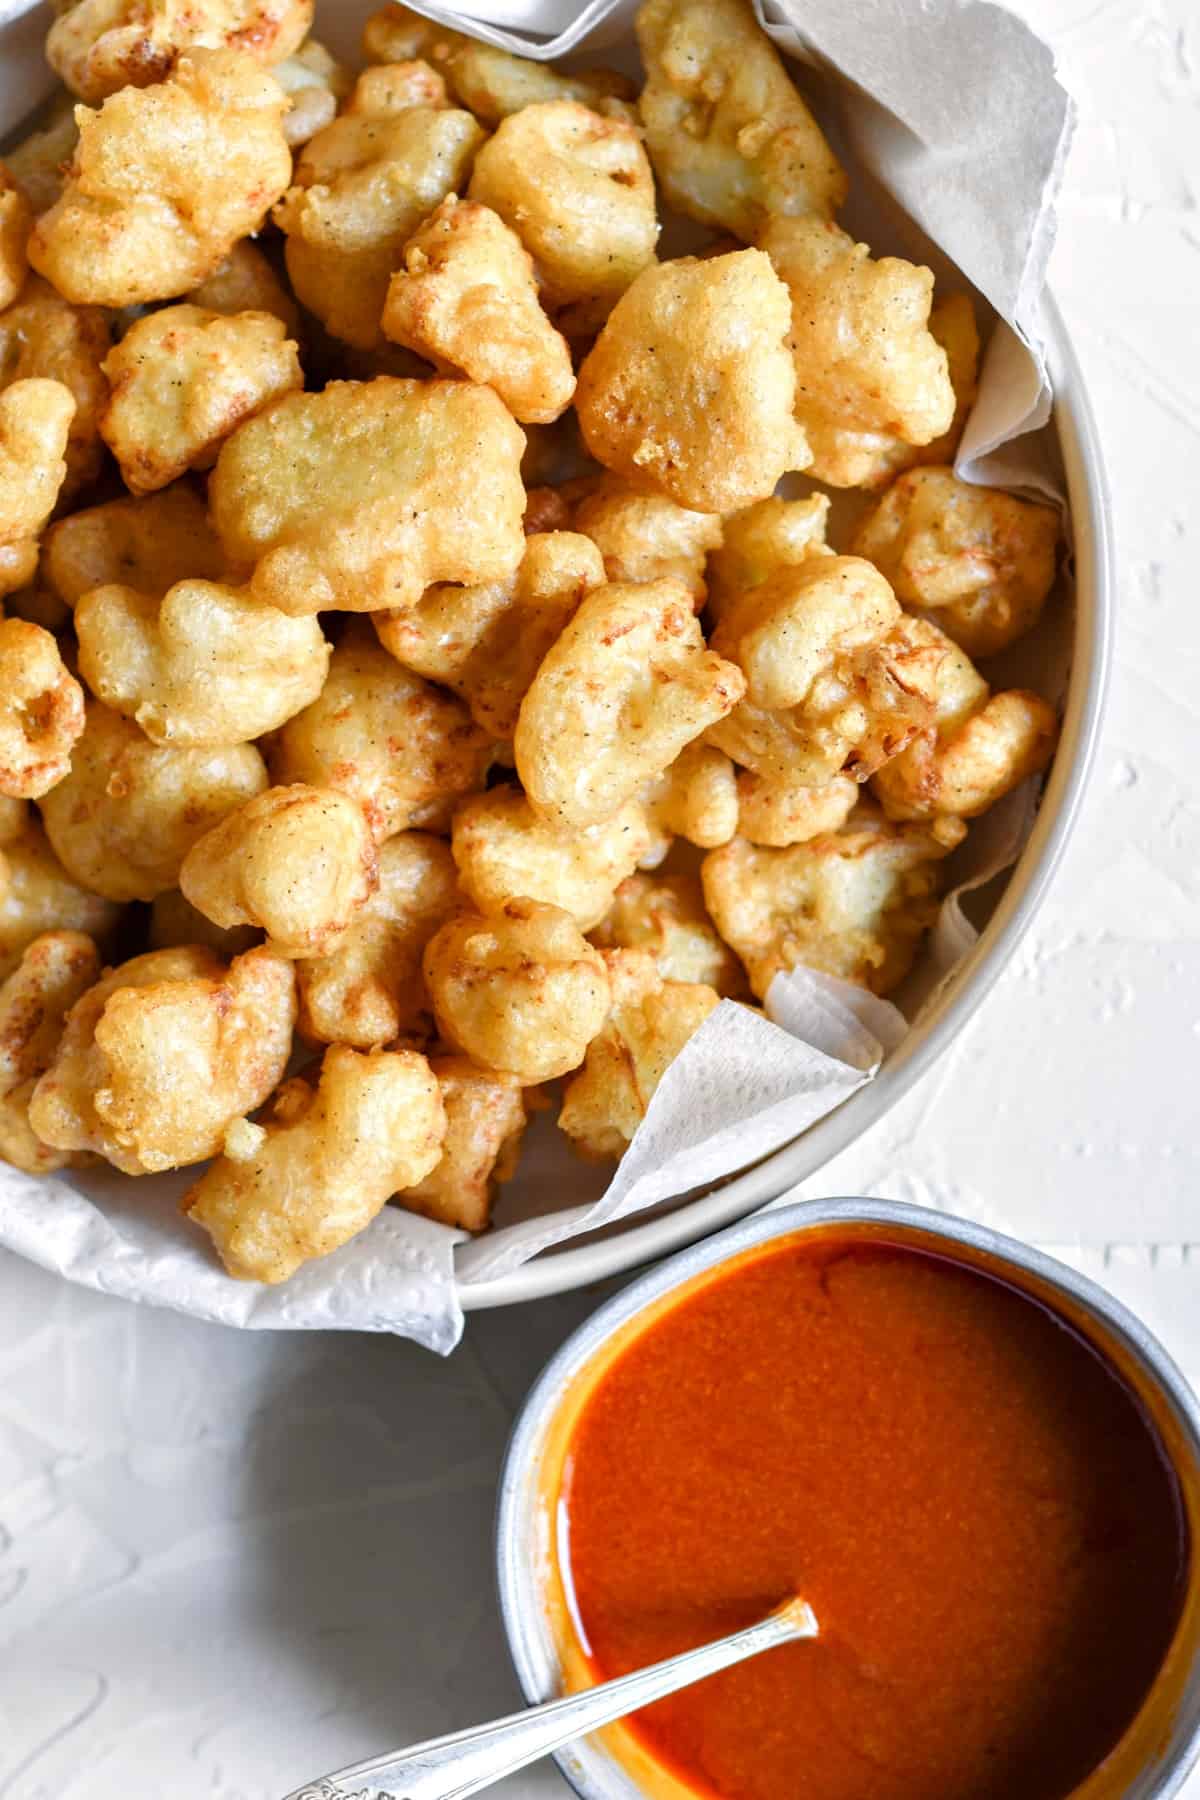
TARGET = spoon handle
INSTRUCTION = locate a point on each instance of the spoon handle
(451, 1768)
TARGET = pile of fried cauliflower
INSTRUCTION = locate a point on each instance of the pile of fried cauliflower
(411, 677)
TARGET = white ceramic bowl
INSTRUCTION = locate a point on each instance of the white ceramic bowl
(638, 1242)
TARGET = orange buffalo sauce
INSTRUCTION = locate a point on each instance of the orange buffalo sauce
(972, 1500)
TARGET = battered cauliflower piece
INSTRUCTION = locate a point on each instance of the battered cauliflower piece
(396, 34)
(406, 751)
(466, 300)
(650, 1022)
(44, 335)
(367, 988)
(18, 566)
(37, 163)
(34, 1002)
(789, 629)
(644, 537)
(578, 190)
(164, 182)
(696, 798)
(762, 539)
(37, 894)
(855, 903)
(314, 82)
(98, 46)
(865, 358)
(363, 185)
(125, 816)
(505, 852)
(299, 862)
(485, 1121)
(779, 813)
(35, 421)
(665, 915)
(149, 545)
(41, 711)
(205, 665)
(494, 84)
(16, 221)
(626, 686)
(983, 561)
(731, 140)
(163, 1053)
(324, 1164)
(246, 282)
(182, 380)
(688, 390)
(175, 921)
(367, 493)
(522, 992)
(487, 642)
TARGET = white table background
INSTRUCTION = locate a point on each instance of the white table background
(230, 1561)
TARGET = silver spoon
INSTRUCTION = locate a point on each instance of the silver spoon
(450, 1768)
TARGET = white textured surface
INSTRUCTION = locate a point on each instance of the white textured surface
(228, 1562)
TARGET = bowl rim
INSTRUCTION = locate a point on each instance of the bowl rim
(557, 1271)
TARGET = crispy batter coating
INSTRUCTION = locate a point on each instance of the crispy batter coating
(37, 894)
(98, 46)
(695, 798)
(485, 1121)
(466, 300)
(666, 915)
(298, 861)
(175, 921)
(865, 358)
(147, 544)
(855, 902)
(643, 537)
(505, 852)
(493, 84)
(367, 988)
(624, 688)
(788, 630)
(984, 561)
(246, 282)
(165, 181)
(41, 711)
(182, 380)
(487, 642)
(779, 813)
(35, 421)
(314, 82)
(43, 334)
(403, 749)
(649, 1023)
(16, 221)
(363, 185)
(163, 1053)
(53, 972)
(731, 140)
(522, 992)
(688, 390)
(206, 664)
(578, 190)
(762, 539)
(396, 34)
(365, 494)
(323, 1165)
(18, 566)
(125, 816)
(37, 163)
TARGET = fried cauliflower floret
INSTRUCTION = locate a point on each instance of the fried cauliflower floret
(854, 903)
(323, 1165)
(487, 642)
(625, 687)
(786, 631)
(165, 181)
(665, 915)
(41, 711)
(37, 894)
(731, 140)
(98, 46)
(16, 220)
(162, 1054)
(299, 862)
(688, 390)
(983, 561)
(505, 852)
(522, 992)
(37, 163)
(762, 539)
(466, 300)
(648, 1025)
(34, 1002)
(367, 987)
(578, 190)
(175, 921)
(363, 185)
(18, 566)
(485, 1121)
(246, 282)
(147, 544)
(643, 537)
(182, 379)
(865, 358)
(205, 665)
(125, 816)
(314, 82)
(406, 751)
(396, 34)
(979, 747)
(35, 422)
(695, 798)
(42, 334)
(367, 493)
(778, 813)
(493, 84)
